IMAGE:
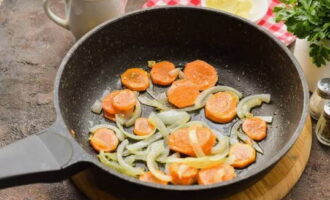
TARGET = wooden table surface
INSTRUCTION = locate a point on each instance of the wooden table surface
(31, 48)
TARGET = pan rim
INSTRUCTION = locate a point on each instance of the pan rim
(267, 166)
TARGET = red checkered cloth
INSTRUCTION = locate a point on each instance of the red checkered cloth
(268, 22)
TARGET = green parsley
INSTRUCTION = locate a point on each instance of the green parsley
(308, 19)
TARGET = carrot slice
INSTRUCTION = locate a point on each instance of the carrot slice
(135, 79)
(255, 128)
(201, 73)
(125, 100)
(160, 73)
(112, 117)
(143, 126)
(179, 140)
(104, 139)
(109, 116)
(182, 93)
(149, 177)
(107, 105)
(216, 174)
(182, 174)
(221, 107)
(244, 155)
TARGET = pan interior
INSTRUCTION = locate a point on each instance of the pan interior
(245, 58)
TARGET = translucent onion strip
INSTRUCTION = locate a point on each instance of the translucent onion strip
(201, 99)
(222, 146)
(142, 155)
(118, 132)
(195, 143)
(196, 123)
(246, 139)
(268, 119)
(127, 169)
(111, 164)
(130, 159)
(150, 90)
(164, 154)
(111, 156)
(181, 75)
(151, 63)
(174, 72)
(140, 152)
(172, 116)
(234, 132)
(153, 103)
(137, 113)
(119, 123)
(156, 149)
(174, 155)
(158, 123)
(144, 143)
(202, 162)
(97, 107)
(247, 103)
(178, 124)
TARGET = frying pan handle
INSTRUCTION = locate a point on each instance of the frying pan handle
(44, 157)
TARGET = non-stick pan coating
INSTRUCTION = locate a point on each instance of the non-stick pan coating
(245, 58)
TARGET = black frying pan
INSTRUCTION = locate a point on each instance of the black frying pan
(246, 57)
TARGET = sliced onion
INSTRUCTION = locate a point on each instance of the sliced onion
(201, 99)
(247, 103)
(97, 107)
(127, 169)
(164, 154)
(105, 93)
(111, 156)
(181, 74)
(203, 96)
(179, 124)
(174, 155)
(158, 123)
(111, 164)
(234, 132)
(172, 116)
(151, 63)
(144, 143)
(246, 139)
(142, 155)
(150, 90)
(196, 123)
(268, 119)
(174, 72)
(202, 162)
(126, 153)
(162, 98)
(153, 103)
(137, 113)
(139, 152)
(191, 123)
(222, 146)
(119, 123)
(195, 143)
(156, 149)
(118, 132)
(130, 159)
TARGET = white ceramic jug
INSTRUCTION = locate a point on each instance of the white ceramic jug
(312, 72)
(83, 15)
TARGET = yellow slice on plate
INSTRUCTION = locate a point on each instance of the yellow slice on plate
(238, 7)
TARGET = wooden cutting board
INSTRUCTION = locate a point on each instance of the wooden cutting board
(274, 186)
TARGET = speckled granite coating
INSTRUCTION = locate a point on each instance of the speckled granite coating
(31, 48)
